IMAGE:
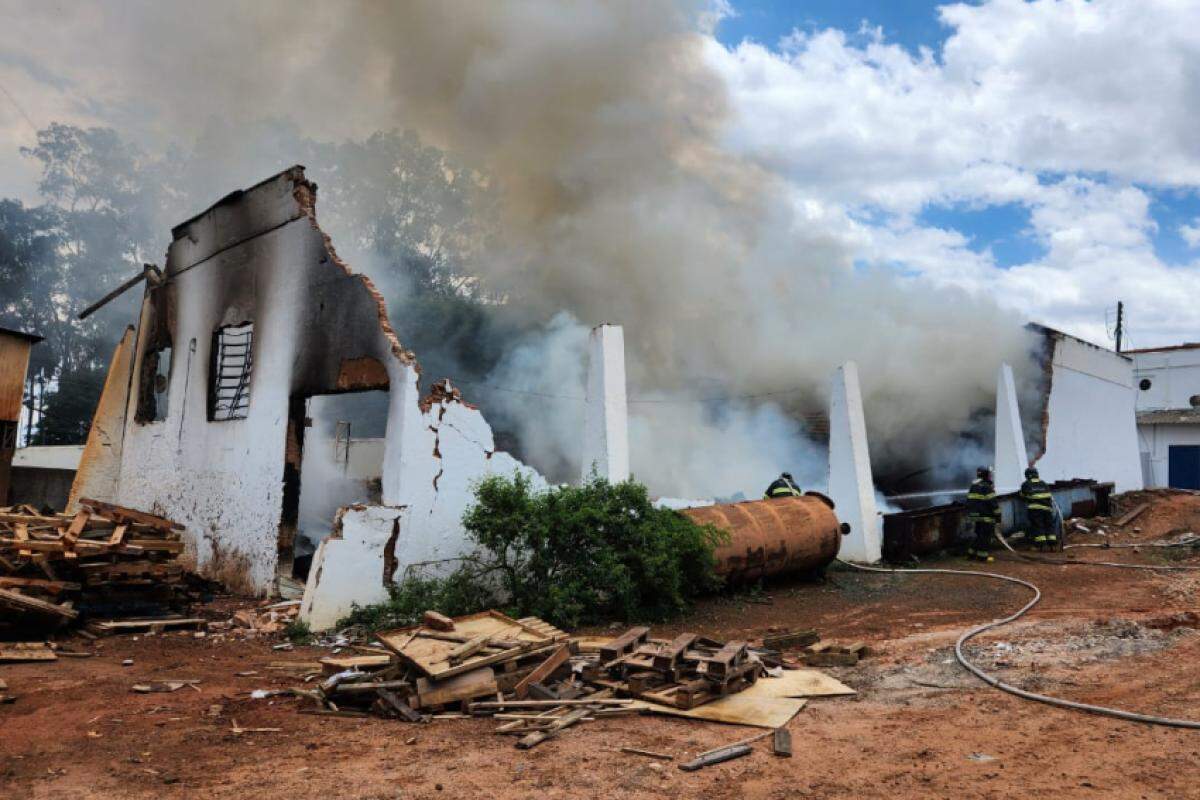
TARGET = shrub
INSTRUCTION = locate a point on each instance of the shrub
(571, 555)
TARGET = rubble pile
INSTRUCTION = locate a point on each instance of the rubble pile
(100, 563)
(535, 679)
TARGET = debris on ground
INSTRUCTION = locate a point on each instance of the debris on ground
(537, 681)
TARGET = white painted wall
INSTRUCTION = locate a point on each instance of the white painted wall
(434, 456)
(851, 485)
(1009, 460)
(223, 480)
(1155, 441)
(606, 417)
(1092, 432)
(58, 456)
(1174, 377)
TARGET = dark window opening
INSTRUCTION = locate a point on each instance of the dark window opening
(229, 386)
(8, 434)
(153, 383)
(1144, 384)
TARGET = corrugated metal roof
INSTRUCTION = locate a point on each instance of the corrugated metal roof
(1170, 416)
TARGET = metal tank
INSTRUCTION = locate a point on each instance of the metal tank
(773, 537)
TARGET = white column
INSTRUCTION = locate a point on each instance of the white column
(1009, 455)
(606, 418)
(851, 486)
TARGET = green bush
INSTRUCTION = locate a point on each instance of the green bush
(572, 555)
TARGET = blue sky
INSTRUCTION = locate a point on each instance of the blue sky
(1003, 229)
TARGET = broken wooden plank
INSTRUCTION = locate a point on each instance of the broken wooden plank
(647, 753)
(791, 639)
(716, 757)
(543, 670)
(565, 721)
(402, 708)
(439, 622)
(121, 514)
(31, 605)
(1133, 514)
(468, 686)
(113, 626)
(467, 649)
(781, 745)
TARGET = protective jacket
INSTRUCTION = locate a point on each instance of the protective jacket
(1036, 495)
(981, 502)
(781, 487)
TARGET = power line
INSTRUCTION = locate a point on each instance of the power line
(32, 125)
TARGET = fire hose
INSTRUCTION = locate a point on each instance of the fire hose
(992, 680)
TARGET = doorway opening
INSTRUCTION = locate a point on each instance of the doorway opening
(335, 446)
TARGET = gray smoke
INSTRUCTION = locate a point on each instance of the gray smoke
(600, 124)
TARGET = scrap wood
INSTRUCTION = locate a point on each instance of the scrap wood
(439, 622)
(26, 651)
(165, 686)
(781, 745)
(716, 757)
(18, 602)
(565, 721)
(238, 730)
(1131, 515)
(105, 627)
(647, 753)
(542, 671)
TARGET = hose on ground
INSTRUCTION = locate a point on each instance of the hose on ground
(992, 680)
(1117, 564)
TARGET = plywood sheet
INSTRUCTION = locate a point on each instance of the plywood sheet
(769, 703)
(432, 656)
(743, 708)
(802, 683)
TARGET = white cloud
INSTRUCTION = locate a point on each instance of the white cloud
(1073, 110)
(1191, 233)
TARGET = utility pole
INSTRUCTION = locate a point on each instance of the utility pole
(1120, 323)
(29, 419)
(42, 405)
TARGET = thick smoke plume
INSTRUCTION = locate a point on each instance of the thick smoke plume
(601, 127)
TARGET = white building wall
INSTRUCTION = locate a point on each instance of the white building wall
(1091, 430)
(181, 467)
(1010, 459)
(851, 485)
(1174, 377)
(606, 416)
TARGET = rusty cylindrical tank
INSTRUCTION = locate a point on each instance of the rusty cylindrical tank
(772, 537)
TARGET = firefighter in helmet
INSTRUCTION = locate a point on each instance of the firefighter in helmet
(783, 486)
(1039, 504)
(984, 511)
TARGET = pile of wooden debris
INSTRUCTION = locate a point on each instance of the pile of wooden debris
(536, 680)
(102, 562)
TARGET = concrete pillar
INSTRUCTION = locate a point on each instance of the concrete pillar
(606, 418)
(851, 486)
(1009, 456)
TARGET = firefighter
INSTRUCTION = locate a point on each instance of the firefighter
(783, 486)
(984, 511)
(1040, 505)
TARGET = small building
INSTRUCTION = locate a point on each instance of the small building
(14, 362)
(1168, 414)
(42, 475)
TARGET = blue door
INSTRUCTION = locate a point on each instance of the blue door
(1183, 466)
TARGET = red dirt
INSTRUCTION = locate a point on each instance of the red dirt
(76, 730)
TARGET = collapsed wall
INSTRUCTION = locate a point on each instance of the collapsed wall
(256, 314)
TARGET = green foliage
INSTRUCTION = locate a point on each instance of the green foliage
(298, 632)
(456, 594)
(572, 555)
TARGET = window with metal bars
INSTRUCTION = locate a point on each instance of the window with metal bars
(229, 387)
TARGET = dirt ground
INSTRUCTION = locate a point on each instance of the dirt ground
(920, 727)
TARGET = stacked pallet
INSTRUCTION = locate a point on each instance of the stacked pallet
(104, 560)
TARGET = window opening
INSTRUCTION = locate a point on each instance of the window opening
(229, 394)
